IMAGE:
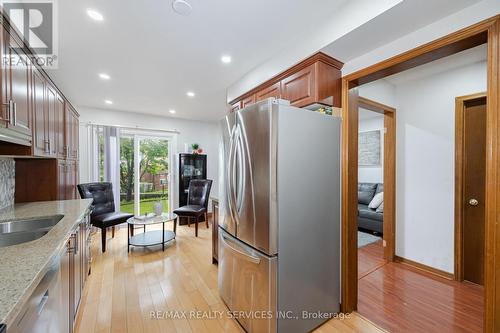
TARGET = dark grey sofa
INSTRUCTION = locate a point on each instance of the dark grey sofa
(369, 219)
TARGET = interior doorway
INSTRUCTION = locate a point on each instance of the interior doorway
(388, 135)
(470, 185)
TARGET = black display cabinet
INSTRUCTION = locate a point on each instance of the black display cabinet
(191, 166)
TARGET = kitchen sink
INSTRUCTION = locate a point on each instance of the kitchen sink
(25, 230)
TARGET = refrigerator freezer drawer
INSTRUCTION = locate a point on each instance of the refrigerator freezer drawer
(247, 284)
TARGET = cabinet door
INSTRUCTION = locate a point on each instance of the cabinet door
(5, 96)
(271, 91)
(61, 179)
(71, 179)
(40, 116)
(51, 125)
(248, 101)
(19, 91)
(235, 107)
(72, 133)
(62, 148)
(300, 87)
(76, 137)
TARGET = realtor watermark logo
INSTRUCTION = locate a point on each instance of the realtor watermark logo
(35, 21)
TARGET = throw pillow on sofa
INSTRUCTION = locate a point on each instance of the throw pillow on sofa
(380, 208)
(377, 200)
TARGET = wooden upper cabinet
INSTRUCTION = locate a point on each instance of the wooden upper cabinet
(52, 120)
(317, 79)
(62, 148)
(273, 90)
(40, 116)
(19, 93)
(247, 101)
(236, 106)
(16, 112)
(72, 132)
(300, 88)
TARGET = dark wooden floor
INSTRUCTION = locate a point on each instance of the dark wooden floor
(399, 298)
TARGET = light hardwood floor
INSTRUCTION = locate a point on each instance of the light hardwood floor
(124, 289)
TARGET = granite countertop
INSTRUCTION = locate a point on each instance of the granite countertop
(22, 266)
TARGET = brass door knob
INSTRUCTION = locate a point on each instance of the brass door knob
(473, 202)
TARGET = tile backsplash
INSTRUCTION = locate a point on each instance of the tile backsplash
(7, 182)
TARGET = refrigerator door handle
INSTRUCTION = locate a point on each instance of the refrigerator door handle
(230, 171)
(245, 254)
(240, 172)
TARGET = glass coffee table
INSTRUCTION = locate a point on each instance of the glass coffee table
(154, 237)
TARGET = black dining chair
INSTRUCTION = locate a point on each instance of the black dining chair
(103, 208)
(197, 202)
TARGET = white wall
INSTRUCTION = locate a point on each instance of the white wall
(425, 178)
(372, 174)
(348, 17)
(204, 133)
(425, 152)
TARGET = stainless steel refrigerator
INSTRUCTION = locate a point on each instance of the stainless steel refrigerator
(279, 237)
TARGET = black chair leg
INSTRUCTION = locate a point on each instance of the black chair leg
(103, 240)
(113, 232)
(206, 219)
(196, 226)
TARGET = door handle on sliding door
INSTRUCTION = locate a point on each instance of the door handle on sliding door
(248, 256)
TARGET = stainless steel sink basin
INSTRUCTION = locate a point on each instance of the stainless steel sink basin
(26, 230)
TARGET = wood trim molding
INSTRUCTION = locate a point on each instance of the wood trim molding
(389, 172)
(349, 236)
(492, 227)
(319, 56)
(450, 44)
(424, 268)
(458, 41)
(459, 146)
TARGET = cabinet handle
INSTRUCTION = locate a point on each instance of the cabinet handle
(14, 119)
(11, 110)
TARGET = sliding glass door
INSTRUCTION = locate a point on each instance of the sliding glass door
(127, 173)
(137, 163)
(153, 174)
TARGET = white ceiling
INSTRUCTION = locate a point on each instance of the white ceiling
(154, 56)
(400, 20)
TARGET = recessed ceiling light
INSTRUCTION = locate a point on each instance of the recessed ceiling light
(182, 7)
(109, 102)
(104, 76)
(226, 59)
(190, 94)
(95, 15)
(172, 111)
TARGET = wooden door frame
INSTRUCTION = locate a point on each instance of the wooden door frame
(389, 172)
(459, 177)
(487, 31)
